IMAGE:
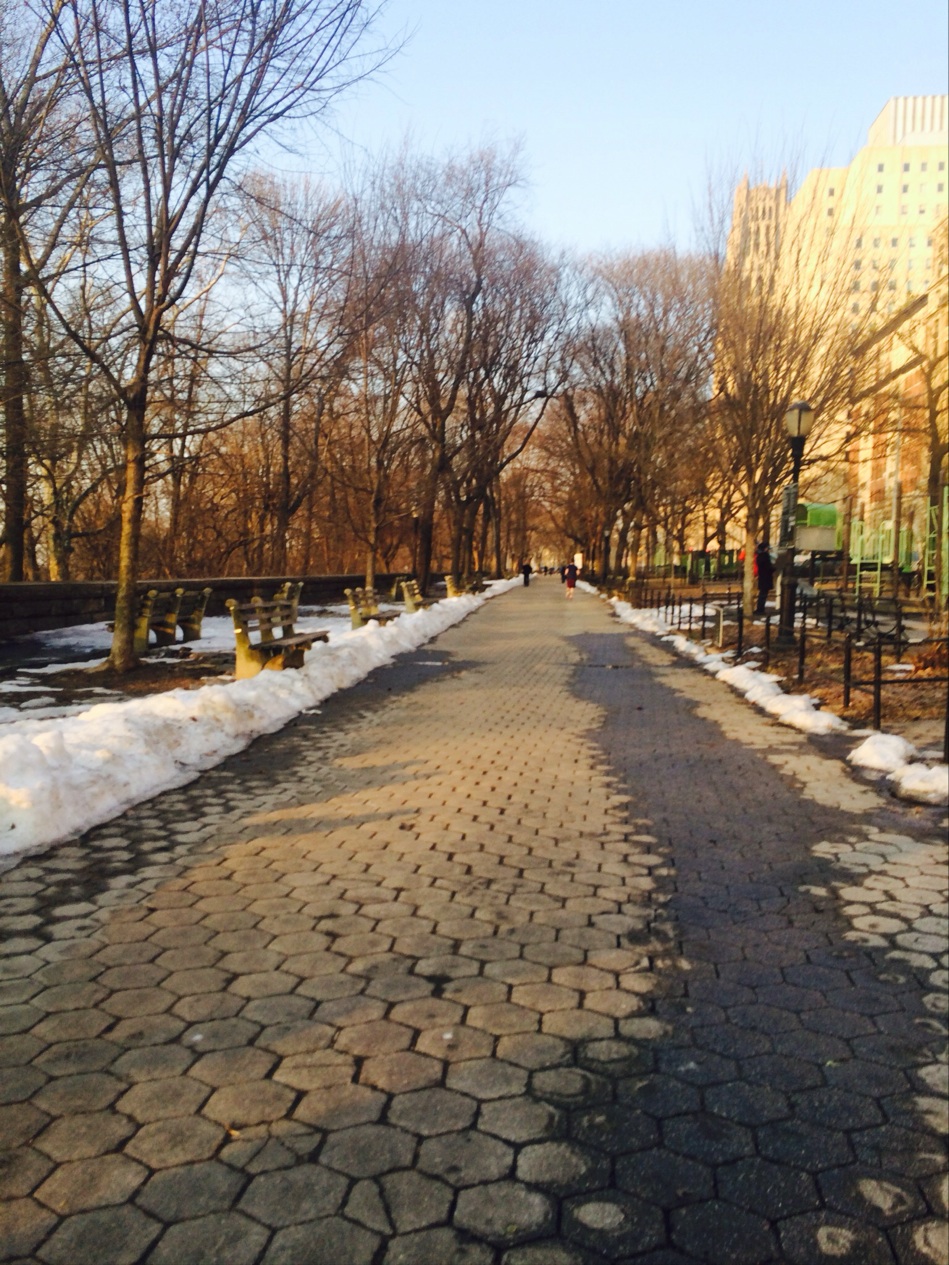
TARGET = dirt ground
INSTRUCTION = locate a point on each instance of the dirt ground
(913, 702)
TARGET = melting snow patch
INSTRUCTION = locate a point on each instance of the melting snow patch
(60, 779)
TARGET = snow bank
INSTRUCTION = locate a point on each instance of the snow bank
(59, 779)
(885, 752)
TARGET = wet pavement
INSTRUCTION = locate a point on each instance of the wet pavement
(537, 947)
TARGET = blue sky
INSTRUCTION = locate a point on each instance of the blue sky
(623, 107)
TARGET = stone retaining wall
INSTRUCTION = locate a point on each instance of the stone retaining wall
(28, 608)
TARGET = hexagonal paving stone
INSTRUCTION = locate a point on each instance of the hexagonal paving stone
(380, 1037)
(504, 1212)
(368, 1150)
(341, 1106)
(415, 1201)
(166, 1143)
(465, 1159)
(249, 1103)
(503, 1018)
(432, 1111)
(190, 1190)
(83, 1136)
(562, 1167)
(162, 1099)
(519, 1119)
(721, 1233)
(816, 1237)
(25, 1224)
(399, 1073)
(441, 1246)
(118, 1235)
(232, 1066)
(222, 1236)
(327, 1242)
(454, 1045)
(608, 1220)
(298, 1194)
(91, 1183)
(487, 1078)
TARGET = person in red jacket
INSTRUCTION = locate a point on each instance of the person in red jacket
(570, 574)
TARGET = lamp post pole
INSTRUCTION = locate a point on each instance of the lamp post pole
(797, 422)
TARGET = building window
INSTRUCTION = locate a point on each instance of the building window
(855, 287)
(830, 192)
(891, 285)
(874, 285)
(855, 307)
(940, 188)
(830, 210)
(904, 210)
(912, 241)
(857, 265)
(942, 166)
(905, 188)
(923, 166)
(879, 166)
(858, 243)
(894, 241)
(906, 166)
(879, 188)
(876, 242)
(922, 210)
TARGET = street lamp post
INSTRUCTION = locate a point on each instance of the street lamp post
(797, 422)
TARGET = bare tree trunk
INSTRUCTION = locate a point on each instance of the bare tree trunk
(122, 656)
(14, 405)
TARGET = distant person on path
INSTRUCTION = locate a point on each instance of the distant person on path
(526, 570)
(764, 572)
(570, 574)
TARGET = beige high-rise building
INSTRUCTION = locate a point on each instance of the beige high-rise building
(871, 222)
(871, 238)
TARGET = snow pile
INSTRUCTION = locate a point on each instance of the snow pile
(760, 688)
(890, 754)
(59, 779)
(884, 752)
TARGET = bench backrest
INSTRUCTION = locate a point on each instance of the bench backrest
(262, 618)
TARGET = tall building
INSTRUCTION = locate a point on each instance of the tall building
(871, 238)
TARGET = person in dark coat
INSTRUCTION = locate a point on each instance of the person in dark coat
(526, 571)
(570, 574)
(764, 573)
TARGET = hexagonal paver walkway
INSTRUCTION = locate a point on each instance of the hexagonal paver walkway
(538, 948)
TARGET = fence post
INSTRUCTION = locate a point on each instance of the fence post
(741, 630)
(767, 641)
(899, 631)
(877, 682)
(830, 617)
(702, 629)
(690, 616)
(802, 643)
(848, 667)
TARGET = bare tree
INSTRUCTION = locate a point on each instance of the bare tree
(39, 154)
(174, 97)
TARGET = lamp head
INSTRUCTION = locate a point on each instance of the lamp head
(798, 420)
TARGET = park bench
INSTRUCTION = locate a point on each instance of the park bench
(158, 613)
(257, 646)
(364, 608)
(290, 591)
(412, 595)
(470, 584)
(191, 610)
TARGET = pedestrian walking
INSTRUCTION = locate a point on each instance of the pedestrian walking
(764, 574)
(526, 570)
(570, 574)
